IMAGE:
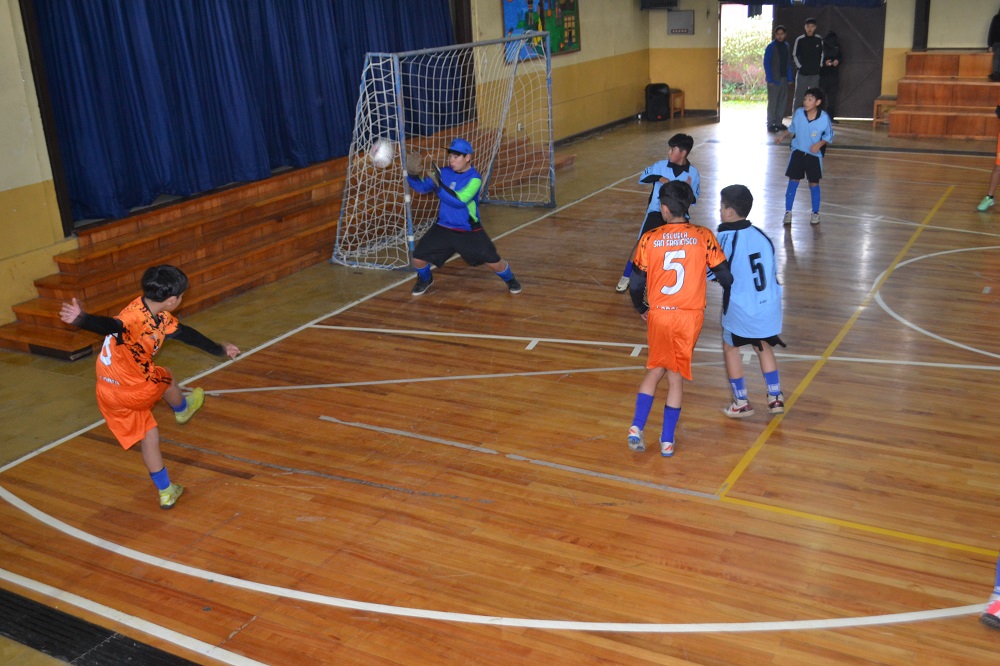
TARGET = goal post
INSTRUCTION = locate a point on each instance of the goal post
(496, 94)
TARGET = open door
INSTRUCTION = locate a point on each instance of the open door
(861, 32)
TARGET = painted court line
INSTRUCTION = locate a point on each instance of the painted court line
(828, 352)
(563, 625)
(181, 640)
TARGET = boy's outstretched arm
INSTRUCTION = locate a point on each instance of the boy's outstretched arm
(193, 337)
(72, 313)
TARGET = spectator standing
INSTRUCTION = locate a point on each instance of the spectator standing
(808, 55)
(829, 73)
(778, 74)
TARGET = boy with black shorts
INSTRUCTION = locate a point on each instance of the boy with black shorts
(458, 228)
(668, 290)
(129, 383)
(753, 314)
(675, 167)
(811, 131)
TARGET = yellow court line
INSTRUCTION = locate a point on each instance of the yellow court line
(862, 527)
(845, 329)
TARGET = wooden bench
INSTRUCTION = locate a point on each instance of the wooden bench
(676, 102)
(883, 104)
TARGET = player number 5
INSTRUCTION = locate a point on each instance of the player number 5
(670, 265)
(759, 281)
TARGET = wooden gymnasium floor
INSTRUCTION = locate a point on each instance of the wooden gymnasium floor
(445, 480)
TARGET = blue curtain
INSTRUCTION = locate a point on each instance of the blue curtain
(177, 97)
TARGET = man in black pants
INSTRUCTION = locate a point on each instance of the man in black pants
(808, 54)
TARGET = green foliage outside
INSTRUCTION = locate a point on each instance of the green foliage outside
(742, 60)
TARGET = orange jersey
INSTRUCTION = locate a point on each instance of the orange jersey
(131, 362)
(674, 258)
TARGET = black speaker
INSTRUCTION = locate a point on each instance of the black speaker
(657, 101)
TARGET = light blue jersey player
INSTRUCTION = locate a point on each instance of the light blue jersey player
(675, 167)
(752, 315)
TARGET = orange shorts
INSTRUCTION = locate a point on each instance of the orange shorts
(129, 410)
(671, 335)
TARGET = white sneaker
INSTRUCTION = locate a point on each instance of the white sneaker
(635, 439)
(814, 219)
(991, 614)
(788, 218)
(666, 449)
(738, 411)
(622, 286)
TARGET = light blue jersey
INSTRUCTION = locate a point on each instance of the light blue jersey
(664, 169)
(755, 298)
(809, 132)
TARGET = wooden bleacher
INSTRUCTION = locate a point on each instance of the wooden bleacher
(227, 242)
(946, 94)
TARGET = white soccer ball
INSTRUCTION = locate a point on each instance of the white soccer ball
(381, 153)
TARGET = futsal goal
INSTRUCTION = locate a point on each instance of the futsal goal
(496, 94)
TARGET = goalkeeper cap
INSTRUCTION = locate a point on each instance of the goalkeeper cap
(460, 146)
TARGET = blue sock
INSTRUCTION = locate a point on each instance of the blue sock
(181, 407)
(643, 403)
(996, 581)
(739, 388)
(161, 479)
(506, 275)
(424, 273)
(670, 417)
(814, 193)
(793, 186)
(773, 383)
(628, 270)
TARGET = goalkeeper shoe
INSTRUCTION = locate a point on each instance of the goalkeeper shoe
(170, 494)
(622, 285)
(776, 403)
(513, 286)
(194, 402)
(738, 411)
(991, 615)
(666, 449)
(635, 439)
(422, 285)
(985, 204)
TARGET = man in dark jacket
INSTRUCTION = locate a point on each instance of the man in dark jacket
(808, 55)
(829, 73)
(778, 74)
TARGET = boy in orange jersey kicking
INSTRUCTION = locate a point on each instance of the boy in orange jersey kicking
(668, 289)
(129, 383)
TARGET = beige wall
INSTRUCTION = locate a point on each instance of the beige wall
(30, 226)
(688, 62)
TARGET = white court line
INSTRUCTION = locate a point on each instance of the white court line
(562, 625)
(909, 324)
(131, 621)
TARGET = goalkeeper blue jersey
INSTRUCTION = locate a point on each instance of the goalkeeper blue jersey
(755, 298)
(459, 195)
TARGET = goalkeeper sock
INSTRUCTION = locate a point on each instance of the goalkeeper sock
(814, 193)
(793, 186)
(506, 274)
(424, 273)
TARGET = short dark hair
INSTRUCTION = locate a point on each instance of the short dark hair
(683, 141)
(738, 198)
(677, 196)
(161, 282)
(810, 20)
(779, 27)
(817, 93)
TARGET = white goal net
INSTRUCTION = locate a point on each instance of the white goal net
(495, 94)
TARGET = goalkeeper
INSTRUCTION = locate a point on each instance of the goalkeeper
(458, 228)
